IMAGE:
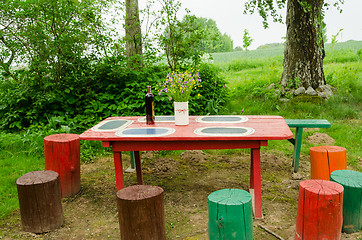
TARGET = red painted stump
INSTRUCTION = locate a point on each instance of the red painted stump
(62, 155)
(319, 215)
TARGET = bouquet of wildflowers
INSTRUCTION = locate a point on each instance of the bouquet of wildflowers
(178, 86)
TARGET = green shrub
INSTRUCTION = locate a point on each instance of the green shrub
(359, 52)
(97, 91)
(209, 98)
(214, 93)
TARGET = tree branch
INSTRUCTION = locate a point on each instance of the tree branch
(6, 65)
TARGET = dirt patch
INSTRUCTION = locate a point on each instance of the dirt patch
(320, 139)
(193, 156)
(187, 179)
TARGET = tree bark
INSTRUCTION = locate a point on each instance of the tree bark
(133, 29)
(304, 51)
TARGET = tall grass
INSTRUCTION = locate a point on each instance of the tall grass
(18, 156)
(252, 54)
(24, 152)
(343, 70)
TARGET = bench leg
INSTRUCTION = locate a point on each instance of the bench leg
(297, 147)
(132, 166)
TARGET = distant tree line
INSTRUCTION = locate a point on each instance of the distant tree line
(215, 40)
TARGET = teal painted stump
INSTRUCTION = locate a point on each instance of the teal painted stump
(230, 215)
(352, 198)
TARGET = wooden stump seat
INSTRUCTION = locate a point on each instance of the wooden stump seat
(352, 198)
(230, 215)
(319, 214)
(141, 213)
(326, 159)
(40, 201)
(62, 155)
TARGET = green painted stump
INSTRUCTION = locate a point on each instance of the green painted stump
(352, 198)
(230, 215)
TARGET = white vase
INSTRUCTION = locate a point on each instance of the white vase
(181, 113)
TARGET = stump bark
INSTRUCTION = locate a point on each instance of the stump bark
(319, 214)
(326, 159)
(141, 213)
(230, 215)
(352, 198)
(40, 201)
(62, 155)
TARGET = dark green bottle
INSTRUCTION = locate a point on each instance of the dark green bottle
(150, 108)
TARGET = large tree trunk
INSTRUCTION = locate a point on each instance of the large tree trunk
(133, 29)
(304, 51)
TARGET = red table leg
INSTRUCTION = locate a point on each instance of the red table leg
(117, 156)
(138, 168)
(252, 173)
(255, 182)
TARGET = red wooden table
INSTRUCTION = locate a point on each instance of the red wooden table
(203, 132)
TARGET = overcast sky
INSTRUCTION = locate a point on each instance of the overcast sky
(230, 19)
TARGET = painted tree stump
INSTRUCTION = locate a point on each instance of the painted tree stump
(40, 201)
(319, 214)
(141, 213)
(230, 215)
(62, 155)
(352, 198)
(326, 159)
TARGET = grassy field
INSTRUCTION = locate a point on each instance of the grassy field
(24, 152)
(249, 78)
(248, 75)
(278, 52)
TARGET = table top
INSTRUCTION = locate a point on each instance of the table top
(220, 127)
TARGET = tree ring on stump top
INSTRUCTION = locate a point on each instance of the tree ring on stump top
(347, 178)
(139, 192)
(37, 177)
(63, 137)
(322, 187)
(328, 149)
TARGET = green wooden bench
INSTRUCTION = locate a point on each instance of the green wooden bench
(132, 166)
(299, 124)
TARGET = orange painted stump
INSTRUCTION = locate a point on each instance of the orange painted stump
(320, 209)
(62, 155)
(326, 159)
